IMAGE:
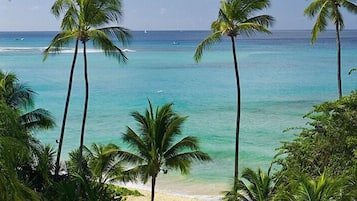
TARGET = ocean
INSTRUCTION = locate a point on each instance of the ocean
(282, 77)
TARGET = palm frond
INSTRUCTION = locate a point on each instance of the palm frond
(188, 142)
(206, 44)
(249, 28)
(350, 6)
(59, 6)
(264, 20)
(71, 19)
(120, 33)
(314, 8)
(337, 18)
(38, 119)
(321, 22)
(59, 41)
(183, 161)
(103, 12)
(102, 41)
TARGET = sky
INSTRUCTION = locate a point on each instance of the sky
(34, 15)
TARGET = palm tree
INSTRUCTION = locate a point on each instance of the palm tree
(330, 10)
(19, 96)
(82, 22)
(104, 163)
(261, 187)
(154, 147)
(236, 17)
(322, 189)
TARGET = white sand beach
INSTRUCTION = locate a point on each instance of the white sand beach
(161, 197)
(177, 189)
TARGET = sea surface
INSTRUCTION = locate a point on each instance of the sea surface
(282, 76)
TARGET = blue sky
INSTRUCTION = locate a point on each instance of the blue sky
(34, 15)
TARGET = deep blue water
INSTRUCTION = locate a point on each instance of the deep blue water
(282, 77)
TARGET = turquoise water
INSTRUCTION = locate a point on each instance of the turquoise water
(282, 76)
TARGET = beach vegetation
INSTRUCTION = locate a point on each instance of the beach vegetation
(14, 152)
(307, 188)
(155, 146)
(328, 142)
(321, 161)
(236, 18)
(18, 96)
(101, 165)
(85, 21)
(325, 10)
(253, 186)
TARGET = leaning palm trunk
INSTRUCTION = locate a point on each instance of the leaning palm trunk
(238, 110)
(338, 43)
(57, 167)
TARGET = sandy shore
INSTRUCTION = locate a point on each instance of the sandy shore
(161, 197)
(177, 190)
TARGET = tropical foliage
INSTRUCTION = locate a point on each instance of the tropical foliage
(259, 186)
(20, 97)
(14, 151)
(325, 10)
(328, 143)
(84, 21)
(236, 17)
(154, 146)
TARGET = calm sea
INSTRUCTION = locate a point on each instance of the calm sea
(282, 77)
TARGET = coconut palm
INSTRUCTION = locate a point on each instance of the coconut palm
(19, 96)
(83, 21)
(236, 17)
(325, 10)
(324, 188)
(261, 187)
(104, 163)
(154, 147)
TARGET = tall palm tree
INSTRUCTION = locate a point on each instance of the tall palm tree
(154, 147)
(19, 96)
(83, 21)
(261, 187)
(236, 17)
(330, 10)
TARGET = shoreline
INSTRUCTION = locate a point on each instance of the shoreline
(176, 189)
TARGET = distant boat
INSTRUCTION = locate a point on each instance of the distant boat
(20, 38)
(145, 31)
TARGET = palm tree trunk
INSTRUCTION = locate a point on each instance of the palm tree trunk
(84, 115)
(238, 111)
(85, 106)
(338, 42)
(57, 166)
(153, 183)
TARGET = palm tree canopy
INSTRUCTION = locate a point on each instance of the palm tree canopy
(324, 188)
(155, 145)
(19, 96)
(85, 20)
(325, 10)
(236, 17)
(259, 186)
(105, 164)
